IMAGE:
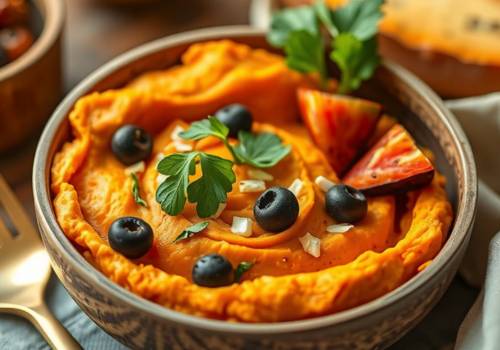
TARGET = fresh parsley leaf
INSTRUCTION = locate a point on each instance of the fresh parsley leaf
(171, 194)
(260, 150)
(190, 231)
(358, 17)
(354, 26)
(324, 14)
(289, 20)
(242, 267)
(305, 53)
(205, 128)
(212, 187)
(136, 192)
(356, 59)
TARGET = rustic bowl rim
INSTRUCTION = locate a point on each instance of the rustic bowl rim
(53, 20)
(51, 230)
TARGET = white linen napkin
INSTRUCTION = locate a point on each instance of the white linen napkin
(480, 119)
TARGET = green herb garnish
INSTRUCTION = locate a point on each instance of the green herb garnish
(352, 29)
(217, 176)
(136, 192)
(263, 150)
(190, 231)
(208, 191)
(242, 267)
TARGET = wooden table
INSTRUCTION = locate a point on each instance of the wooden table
(95, 33)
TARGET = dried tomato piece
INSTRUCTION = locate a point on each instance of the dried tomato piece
(13, 12)
(339, 125)
(15, 41)
(393, 164)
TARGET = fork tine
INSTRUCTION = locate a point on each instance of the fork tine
(15, 210)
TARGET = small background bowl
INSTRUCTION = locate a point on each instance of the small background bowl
(139, 323)
(31, 86)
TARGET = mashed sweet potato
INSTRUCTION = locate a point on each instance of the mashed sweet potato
(91, 190)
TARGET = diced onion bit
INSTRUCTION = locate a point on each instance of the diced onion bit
(296, 187)
(175, 133)
(311, 244)
(247, 186)
(219, 211)
(339, 228)
(257, 174)
(323, 183)
(182, 147)
(135, 168)
(242, 226)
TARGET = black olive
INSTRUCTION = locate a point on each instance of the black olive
(236, 117)
(131, 144)
(130, 236)
(276, 209)
(346, 204)
(213, 270)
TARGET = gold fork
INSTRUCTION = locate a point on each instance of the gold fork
(25, 271)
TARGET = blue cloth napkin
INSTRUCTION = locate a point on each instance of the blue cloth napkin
(18, 334)
(480, 330)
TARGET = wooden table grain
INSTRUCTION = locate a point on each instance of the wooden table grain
(96, 32)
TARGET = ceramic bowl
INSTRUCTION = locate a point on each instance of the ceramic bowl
(31, 86)
(139, 323)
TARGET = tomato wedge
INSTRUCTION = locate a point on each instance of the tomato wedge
(339, 125)
(393, 164)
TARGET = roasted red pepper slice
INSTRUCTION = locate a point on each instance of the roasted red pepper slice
(339, 125)
(393, 164)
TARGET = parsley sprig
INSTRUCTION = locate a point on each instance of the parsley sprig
(352, 29)
(207, 192)
(217, 176)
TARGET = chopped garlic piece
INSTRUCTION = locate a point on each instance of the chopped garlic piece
(257, 174)
(182, 147)
(219, 211)
(296, 186)
(323, 183)
(339, 228)
(247, 186)
(242, 226)
(311, 244)
(175, 133)
(160, 178)
(135, 168)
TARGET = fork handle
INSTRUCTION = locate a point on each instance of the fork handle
(49, 327)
